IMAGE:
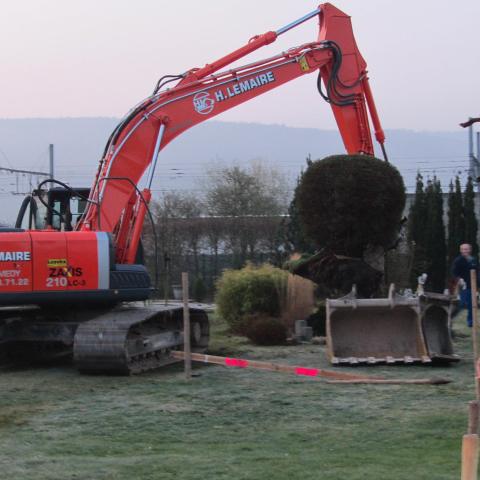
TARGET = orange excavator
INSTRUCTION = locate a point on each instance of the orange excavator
(71, 272)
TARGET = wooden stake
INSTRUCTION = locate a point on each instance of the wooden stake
(187, 350)
(470, 444)
(473, 417)
(470, 440)
(473, 288)
(331, 376)
(469, 457)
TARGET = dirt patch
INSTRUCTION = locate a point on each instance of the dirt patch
(17, 415)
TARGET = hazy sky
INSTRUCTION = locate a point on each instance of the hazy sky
(100, 57)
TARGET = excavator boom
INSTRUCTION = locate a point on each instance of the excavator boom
(200, 94)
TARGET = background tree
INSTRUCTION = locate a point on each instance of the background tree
(175, 240)
(236, 191)
(436, 249)
(242, 195)
(293, 230)
(471, 224)
(236, 220)
(417, 237)
(456, 219)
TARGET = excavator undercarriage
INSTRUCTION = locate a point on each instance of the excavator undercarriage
(127, 339)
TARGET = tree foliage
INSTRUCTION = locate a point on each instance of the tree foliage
(348, 202)
(462, 218)
(296, 240)
(417, 235)
(240, 194)
(436, 249)
(237, 191)
(223, 227)
(456, 219)
(427, 234)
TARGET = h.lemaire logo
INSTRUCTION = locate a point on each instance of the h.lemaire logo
(203, 103)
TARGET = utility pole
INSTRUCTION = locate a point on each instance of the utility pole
(478, 145)
(474, 167)
(51, 153)
(471, 155)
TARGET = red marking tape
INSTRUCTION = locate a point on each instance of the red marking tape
(236, 362)
(478, 369)
(309, 372)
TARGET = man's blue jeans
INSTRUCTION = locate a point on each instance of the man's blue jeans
(466, 302)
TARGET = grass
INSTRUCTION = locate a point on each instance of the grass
(233, 424)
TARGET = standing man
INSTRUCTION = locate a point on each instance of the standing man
(461, 272)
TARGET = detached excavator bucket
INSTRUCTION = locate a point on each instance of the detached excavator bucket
(436, 324)
(392, 330)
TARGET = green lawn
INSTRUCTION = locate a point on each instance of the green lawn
(233, 424)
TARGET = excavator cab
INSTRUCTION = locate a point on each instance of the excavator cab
(57, 208)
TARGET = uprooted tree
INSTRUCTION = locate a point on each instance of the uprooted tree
(349, 206)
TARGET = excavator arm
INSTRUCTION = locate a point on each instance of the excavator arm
(117, 206)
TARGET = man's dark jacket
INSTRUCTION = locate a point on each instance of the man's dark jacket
(462, 266)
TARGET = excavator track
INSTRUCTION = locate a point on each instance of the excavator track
(132, 339)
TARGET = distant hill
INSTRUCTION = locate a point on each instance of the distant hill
(79, 143)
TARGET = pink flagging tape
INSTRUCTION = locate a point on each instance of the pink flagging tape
(309, 372)
(478, 369)
(236, 362)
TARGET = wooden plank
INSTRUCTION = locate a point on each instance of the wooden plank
(331, 376)
(268, 366)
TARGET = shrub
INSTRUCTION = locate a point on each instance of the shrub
(346, 202)
(251, 290)
(266, 330)
(318, 321)
(199, 290)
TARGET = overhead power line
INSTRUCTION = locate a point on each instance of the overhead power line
(29, 172)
